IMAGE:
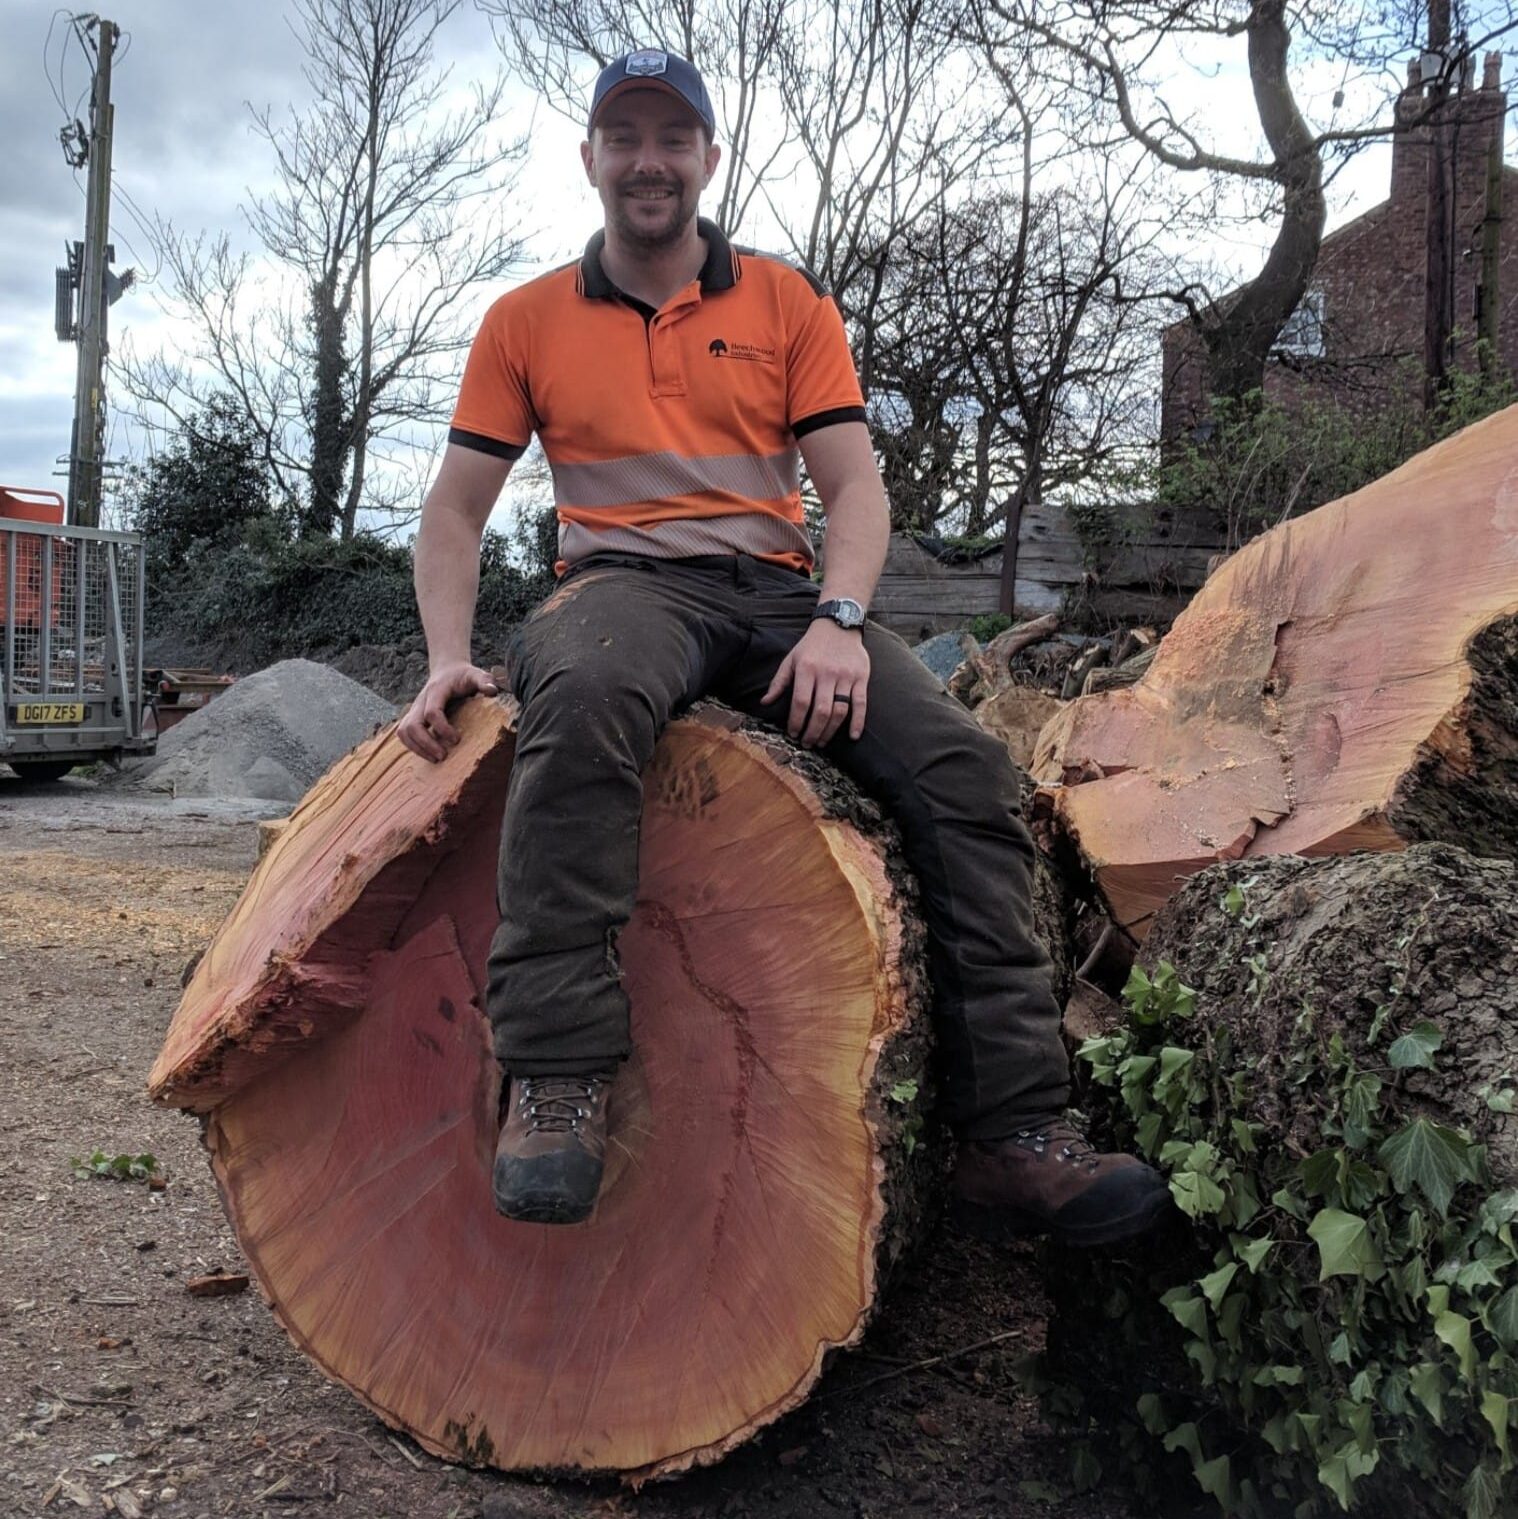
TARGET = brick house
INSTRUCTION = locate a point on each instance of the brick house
(1359, 329)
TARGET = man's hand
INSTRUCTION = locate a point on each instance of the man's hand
(829, 673)
(425, 728)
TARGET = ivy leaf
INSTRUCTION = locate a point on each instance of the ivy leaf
(1137, 991)
(1454, 1329)
(1215, 1284)
(1187, 1310)
(1151, 1412)
(1085, 1469)
(1345, 1247)
(1344, 1468)
(1426, 1382)
(1432, 1158)
(1214, 1477)
(1494, 1410)
(1252, 1254)
(1502, 1317)
(1196, 1194)
(1482, 1493)
(1148, 1131)
(1476, 1274)
(1414, 1051)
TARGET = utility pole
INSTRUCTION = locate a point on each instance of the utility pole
(85, 457)
(1438, 314)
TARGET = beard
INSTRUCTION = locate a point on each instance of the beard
(636, 229)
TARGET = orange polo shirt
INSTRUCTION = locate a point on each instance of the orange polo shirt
(669, 432)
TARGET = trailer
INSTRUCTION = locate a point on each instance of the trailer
(71, 604)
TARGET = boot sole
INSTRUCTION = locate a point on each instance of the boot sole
(544, 1210)
(1003, 1225)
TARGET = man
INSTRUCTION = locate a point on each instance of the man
(672, 380)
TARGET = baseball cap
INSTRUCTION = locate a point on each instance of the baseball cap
(653, 68)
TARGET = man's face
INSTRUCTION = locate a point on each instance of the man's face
(649, 161)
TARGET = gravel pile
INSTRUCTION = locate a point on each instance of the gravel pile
(270, 735)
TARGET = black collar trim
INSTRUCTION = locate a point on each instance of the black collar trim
(719, 272)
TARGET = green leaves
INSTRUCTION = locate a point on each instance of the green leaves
(1454, 1329)
(1414, 1051)
(1345, 1247)
(1160, 998)
(1433, 1159)
(117, 1167)
(1353, 1305)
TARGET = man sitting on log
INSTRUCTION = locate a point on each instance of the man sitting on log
(672, 380)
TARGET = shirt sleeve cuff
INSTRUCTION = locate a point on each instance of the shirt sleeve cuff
(481, 444)
(818, 419)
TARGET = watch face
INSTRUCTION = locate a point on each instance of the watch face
(849, 614)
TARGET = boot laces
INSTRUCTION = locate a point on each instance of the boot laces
(1073, 1145)
(556, 1104)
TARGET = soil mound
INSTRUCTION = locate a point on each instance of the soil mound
(269, 736)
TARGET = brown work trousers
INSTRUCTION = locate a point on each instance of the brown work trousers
(624, 643)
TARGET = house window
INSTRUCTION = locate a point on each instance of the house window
(1302, 336)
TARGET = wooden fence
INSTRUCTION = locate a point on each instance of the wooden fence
(1145, 576)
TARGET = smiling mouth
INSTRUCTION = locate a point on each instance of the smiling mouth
(650, 194)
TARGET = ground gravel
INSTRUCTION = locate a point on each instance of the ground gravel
(269, 736)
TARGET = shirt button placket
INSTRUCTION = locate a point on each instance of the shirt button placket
(665, 354)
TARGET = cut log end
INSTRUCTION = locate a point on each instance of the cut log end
(763, 1165)
(1347, 681)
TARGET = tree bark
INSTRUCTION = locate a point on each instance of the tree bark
(767, 1162)
(1341, 937)
(1347, 681)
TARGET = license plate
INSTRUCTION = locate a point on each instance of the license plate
(50, 712)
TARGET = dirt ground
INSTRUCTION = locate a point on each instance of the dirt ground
(120, 1392)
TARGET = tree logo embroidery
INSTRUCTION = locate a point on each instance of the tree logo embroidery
(753, 353)
(644, 64)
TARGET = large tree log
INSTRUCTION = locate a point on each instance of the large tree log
(1303, 991)
(764, 1164)
(1347, 681)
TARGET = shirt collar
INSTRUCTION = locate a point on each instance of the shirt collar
(717, 273)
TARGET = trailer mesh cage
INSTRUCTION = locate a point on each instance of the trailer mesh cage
(71, 600)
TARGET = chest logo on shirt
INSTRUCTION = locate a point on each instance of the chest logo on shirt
(752, 353)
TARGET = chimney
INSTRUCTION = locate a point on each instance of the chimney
(1477, 114)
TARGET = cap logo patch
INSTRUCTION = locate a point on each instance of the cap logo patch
(642, 65)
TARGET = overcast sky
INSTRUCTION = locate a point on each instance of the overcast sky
(183, 149)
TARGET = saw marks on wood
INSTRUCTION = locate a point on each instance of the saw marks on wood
(1299, 697)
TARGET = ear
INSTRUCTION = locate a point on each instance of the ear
(713, 158)
(588, 158)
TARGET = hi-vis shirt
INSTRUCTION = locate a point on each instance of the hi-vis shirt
(671, 432)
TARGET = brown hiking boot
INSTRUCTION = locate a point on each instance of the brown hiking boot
(1050, 1180)
(552, 1148)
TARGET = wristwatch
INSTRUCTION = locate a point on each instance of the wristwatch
(843, 610)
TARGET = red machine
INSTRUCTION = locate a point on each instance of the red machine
(25, 505)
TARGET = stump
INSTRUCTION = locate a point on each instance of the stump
(1347, 681)
(1347, 1067)
(764, 1164)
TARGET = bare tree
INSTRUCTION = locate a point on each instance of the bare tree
(1118, 53)
(388, 209)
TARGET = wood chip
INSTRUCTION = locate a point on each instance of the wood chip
(217, 1284)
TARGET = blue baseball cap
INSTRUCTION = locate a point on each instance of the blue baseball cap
(653, 68)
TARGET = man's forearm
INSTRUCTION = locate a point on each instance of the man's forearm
(858, 534)
(447, 584)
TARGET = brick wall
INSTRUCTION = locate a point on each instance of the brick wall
(1372, 274)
